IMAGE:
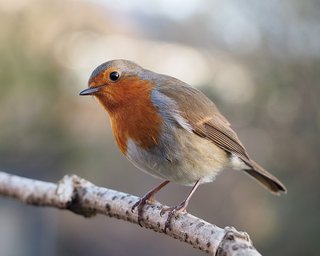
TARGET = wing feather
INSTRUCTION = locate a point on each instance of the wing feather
(206, 121)
(222, 135)
(203, 116)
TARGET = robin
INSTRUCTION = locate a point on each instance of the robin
(170, 130)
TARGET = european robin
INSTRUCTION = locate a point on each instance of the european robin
(170, 130)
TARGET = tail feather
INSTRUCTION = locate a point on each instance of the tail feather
(266, 178)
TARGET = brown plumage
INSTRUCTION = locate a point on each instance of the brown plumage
(170, 130)
(209, 123)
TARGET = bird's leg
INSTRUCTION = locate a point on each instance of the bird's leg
(147, 197)
(178, 208)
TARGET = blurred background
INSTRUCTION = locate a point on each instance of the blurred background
(258, 60)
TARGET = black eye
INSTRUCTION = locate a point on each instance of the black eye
(114, 76)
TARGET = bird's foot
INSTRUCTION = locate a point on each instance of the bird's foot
(140, 204)
(171, 212)
(149, 197)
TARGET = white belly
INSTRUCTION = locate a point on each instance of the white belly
(184, 158)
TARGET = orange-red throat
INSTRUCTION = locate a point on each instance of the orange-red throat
(132, 114)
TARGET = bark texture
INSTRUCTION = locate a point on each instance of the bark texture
(82, 197)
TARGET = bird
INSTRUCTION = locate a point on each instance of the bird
(170, 130)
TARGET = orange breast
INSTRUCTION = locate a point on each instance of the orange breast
(132, 114)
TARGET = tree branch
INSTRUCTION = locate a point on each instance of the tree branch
(82, 197)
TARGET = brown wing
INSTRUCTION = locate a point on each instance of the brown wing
(204, 116)
(222, 135)
(208, 122)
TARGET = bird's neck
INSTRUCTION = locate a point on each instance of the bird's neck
(134, 117)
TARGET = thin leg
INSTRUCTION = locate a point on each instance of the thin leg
(147, 197)
(178, 208)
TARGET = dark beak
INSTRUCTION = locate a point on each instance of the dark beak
(90, 91)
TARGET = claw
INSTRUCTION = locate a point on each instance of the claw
(163, 211)
(179, 208)
(171, 213)
(140, 204)
(145, 199)
(171, 210)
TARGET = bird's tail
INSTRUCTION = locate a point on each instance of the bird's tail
(266, 178)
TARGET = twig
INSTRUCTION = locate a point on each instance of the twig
(84, 198)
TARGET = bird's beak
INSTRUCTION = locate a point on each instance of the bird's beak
(90, 91)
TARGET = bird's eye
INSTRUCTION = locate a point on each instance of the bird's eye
(114, 76)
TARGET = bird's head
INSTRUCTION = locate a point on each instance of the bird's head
(125, 90)
(116, 83)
